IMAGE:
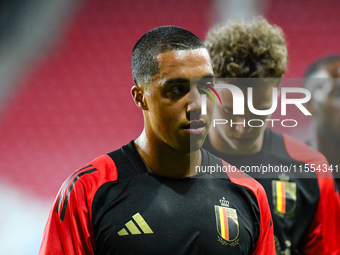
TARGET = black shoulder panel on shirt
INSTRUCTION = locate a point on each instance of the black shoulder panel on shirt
(124, 168)
(128, 161)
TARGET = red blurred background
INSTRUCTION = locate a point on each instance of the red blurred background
(70, 102)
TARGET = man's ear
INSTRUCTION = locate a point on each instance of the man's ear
(137, 93)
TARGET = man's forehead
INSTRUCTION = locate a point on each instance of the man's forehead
(185, 63)
(182, 54)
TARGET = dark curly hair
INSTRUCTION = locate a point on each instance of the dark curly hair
(247, 49)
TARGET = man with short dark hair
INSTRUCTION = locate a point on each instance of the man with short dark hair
(140, 199)
(253, 54)
(322, 79)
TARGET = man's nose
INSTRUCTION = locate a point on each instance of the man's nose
(241, 125)
(195, 104)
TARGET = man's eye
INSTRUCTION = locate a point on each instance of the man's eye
(177, 90)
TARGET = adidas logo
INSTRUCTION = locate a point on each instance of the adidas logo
(134, 230)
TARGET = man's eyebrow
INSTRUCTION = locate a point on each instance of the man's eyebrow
(208, 76)
(183, 80)
(176, 80)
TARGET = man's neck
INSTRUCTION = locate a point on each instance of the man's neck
(161, 159)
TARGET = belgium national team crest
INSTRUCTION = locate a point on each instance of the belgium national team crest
(227, 224)
(284, 197)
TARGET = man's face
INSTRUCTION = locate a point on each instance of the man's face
(174, 107)
(241, 138)
(326, 100)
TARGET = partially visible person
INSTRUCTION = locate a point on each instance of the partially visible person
(303, 209)
(140, 199)
(322, 79)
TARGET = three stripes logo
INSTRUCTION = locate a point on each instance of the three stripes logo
(284, 197)
(136, 226)
(67, 188)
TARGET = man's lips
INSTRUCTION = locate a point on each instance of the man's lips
(195, 127)
(242, 140)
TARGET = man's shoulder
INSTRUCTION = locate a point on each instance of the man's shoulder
(301, 151)
(241, 179)
(121, 163)
(238, 177)
(295, 148)
(105, 168)
(312, 159)
(84, 182)
(92, 175)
